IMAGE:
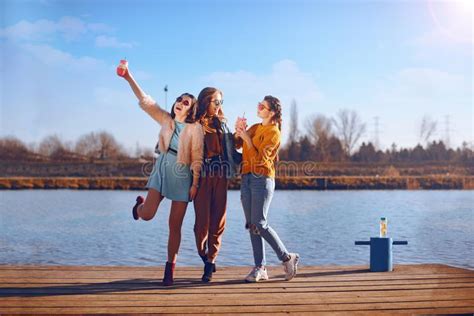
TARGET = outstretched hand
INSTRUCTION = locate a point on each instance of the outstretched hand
(122, 69)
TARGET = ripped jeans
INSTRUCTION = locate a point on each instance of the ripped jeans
(256, 193)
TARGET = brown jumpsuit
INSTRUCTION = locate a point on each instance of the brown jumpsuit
(211, 200)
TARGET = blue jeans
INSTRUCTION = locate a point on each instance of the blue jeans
(256, 193)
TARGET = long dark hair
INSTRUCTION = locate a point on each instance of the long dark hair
(275, 107)
(203, 102)
(191, 117)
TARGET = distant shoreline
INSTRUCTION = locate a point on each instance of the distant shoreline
(437, 182)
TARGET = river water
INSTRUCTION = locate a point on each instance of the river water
(70, 227)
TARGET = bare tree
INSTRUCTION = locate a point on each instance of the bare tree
(350, 128)
(11, 148)
(292, 147)
(319, 130)
(101, 145)
(318, 127)
(427, 129)
(293, 133)
(51, 144)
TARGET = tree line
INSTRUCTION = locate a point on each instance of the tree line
(94, 146)
(324, 139)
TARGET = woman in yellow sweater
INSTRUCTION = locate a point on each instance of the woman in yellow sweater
(260, 150)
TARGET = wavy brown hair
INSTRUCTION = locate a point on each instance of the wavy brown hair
(203, 102)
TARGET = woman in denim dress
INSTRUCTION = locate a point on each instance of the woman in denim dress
(176, 172)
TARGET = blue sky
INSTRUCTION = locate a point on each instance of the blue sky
(397, 60)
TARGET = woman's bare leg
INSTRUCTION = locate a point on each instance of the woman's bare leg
(147, 210)
(178, 210)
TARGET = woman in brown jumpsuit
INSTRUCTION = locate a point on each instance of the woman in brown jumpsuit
(211, 199)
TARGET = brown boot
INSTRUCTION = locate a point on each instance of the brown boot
(168, 277)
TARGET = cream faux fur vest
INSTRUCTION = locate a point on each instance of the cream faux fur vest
(191, 139)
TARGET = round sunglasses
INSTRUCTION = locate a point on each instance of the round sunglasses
(183, 101)
(217, 102)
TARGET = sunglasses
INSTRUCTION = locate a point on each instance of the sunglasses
(217, 102)
(183, 102)
(261, 106)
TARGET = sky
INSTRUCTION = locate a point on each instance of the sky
(395, 60)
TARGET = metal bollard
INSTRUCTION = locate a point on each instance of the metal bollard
(381, 252)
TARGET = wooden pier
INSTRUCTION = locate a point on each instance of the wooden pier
(411, 289)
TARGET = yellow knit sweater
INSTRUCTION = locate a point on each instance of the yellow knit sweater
(260, 158)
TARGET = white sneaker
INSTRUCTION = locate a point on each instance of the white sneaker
(256, 275)
(291, 266)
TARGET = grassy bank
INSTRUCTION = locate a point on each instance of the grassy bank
(282, 183)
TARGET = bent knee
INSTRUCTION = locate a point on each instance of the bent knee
(146, 217)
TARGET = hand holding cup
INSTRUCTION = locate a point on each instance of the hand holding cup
(122, 68)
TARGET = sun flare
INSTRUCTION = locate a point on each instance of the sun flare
(454, 19)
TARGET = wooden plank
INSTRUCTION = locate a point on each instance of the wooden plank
(411, 288)
(257, 290)
(197, 274)
(229, 300)
(437, 293)
(467, 304)
(405, 269)
(234, 279)
(5, 287)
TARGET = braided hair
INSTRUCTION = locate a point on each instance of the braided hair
(275, 107)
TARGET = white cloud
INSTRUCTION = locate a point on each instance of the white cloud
(53, 57)
(107, 41)
(426, 83)
(71, 28)
(285, 81)
(68, 28)
(24, 30)
(404, 97)
(100, 28)
(51, 91)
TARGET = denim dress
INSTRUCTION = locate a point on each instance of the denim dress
(168, 177)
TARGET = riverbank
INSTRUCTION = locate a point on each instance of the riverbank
(282, 183)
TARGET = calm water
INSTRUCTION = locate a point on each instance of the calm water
(67, 227)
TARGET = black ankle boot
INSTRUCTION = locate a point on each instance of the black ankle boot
(168, 279)
(139, 200)
(204, 260)
(208, 269)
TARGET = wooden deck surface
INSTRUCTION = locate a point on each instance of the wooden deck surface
(413, 289)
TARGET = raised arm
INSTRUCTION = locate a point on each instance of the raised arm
(146, 102)
(139, 93)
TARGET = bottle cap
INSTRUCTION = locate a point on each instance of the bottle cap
(382, 218)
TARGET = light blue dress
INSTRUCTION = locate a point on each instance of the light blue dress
(168, 177)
